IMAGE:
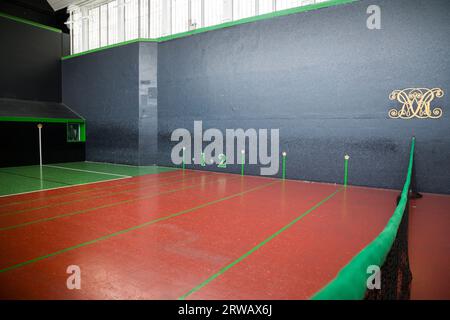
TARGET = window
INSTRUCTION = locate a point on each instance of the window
(76, 132)
(97, 23)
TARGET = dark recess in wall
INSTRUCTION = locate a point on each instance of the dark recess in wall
(20, 144)
(37, 11)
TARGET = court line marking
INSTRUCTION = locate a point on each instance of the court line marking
(76, 192)
(49, 189)
(255, 248)
(11, 213)
(88, 171)
(34, 178)
(109, 205)
(130, 165)
(145, 224)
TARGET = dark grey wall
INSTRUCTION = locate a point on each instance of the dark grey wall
(324, 80)
(103, 87)
(30, 67)
(116, 92)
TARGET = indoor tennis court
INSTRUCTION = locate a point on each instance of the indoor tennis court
(224, 150)
(175, 227)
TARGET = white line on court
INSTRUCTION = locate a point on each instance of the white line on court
(89, 171)
(63, 187)
(123, 165)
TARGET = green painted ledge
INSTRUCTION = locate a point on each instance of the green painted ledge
(28, 22)
(43, 120)
(109, 47)
(266, 16)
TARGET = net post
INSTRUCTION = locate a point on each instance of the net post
(40, 143)
(346, 158)
(284, 166)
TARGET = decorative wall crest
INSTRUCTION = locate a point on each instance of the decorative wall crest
(415, 103)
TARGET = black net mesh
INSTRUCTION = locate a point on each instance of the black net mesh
(396, 274)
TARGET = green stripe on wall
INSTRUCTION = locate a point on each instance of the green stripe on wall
(109, 47)
(44, 120)
(221, 26)
(257, 18)
(31, 23)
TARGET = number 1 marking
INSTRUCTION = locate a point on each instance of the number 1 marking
(223, 161)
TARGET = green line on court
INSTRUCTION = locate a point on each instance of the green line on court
(18, 265)
(109, 205)
(10, 213)
(346, 169)
(113, 168)
(65, 174)
(259, 245)
(82, 191)
(17, 175)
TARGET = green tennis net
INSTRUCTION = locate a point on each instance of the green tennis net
(389, 251)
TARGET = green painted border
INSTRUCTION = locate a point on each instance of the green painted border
(220, 26)
(82, 123)
(109, 47)
(266, 16)
(31, 23)
(44, 120)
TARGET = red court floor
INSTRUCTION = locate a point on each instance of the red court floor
(191, 235)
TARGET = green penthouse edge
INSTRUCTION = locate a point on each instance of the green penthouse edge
(28, 22)
(15, 110)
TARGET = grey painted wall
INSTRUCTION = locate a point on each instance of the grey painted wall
(148, 103)
(324, 80)
(116, 92)
(103, 87)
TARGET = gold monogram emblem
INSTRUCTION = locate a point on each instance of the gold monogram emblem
(416, 103)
